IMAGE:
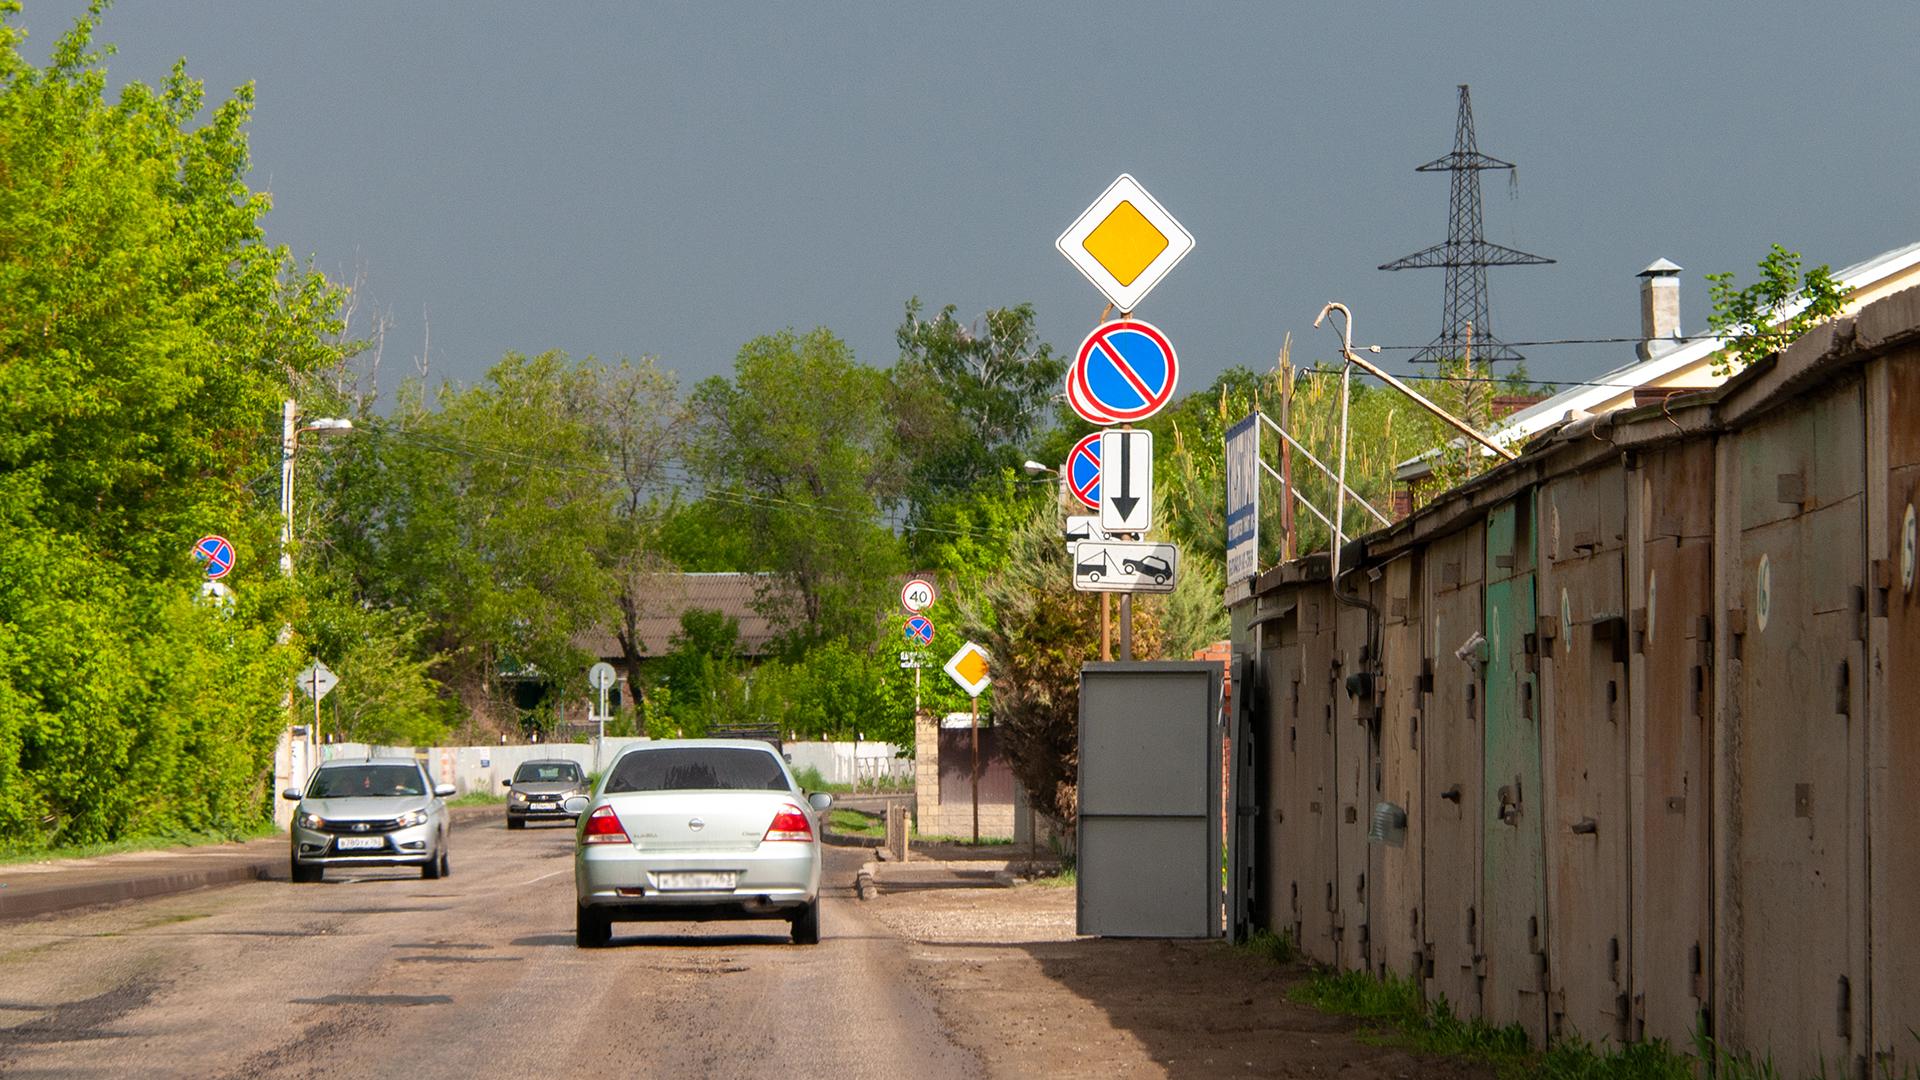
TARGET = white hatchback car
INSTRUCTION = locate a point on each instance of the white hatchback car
(697, 829)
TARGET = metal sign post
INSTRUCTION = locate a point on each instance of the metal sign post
(1126, 370)
(969, 668)
(601, 677)
(315, 682)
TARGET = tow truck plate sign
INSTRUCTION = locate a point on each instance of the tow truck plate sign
(1122, 566)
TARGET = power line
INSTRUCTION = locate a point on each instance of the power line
(474, 450)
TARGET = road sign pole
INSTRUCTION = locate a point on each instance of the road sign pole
(1106, 627)
(1126, 626)
(976, 770)
(316, 707)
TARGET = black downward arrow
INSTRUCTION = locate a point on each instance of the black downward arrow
(1126, 500)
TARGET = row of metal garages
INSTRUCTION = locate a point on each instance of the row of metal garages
(1649, 698)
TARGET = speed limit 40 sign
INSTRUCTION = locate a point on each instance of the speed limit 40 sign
(916, 595)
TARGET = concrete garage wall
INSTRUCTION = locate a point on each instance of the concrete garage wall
(1648, 697)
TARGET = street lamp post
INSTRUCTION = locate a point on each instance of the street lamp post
(290, 432)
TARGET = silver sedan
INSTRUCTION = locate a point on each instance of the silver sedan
(695, 830)
(371, 812)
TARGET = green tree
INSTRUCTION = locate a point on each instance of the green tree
(968, 399)
(640, 426)
(1773, 312)
(489, 518)
(796, 448)
(147, 335)
(1039, 631)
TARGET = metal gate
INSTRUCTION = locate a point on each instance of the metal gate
(1149, 852)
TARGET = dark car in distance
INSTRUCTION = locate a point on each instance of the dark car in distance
(538, 791)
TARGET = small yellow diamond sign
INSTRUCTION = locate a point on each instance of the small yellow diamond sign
(1125, 243)
(968, 667)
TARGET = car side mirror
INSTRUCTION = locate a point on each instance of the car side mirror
(575, 805)
(820, 800)
(443, 790)
(507, 782)
(292, 794)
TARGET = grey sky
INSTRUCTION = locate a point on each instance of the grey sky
(676, 179)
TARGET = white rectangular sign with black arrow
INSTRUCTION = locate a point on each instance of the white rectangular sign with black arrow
(1126, 481)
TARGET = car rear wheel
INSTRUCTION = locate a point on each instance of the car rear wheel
(307, 875)
(806, 925)
(591, 929)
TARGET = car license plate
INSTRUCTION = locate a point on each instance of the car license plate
(360, 843)
(697, 880)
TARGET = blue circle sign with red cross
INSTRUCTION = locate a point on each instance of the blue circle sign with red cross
(216, 553)
(1083, 471)
(920, 629)
(1126, 371)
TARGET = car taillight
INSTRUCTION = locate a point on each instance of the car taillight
(603, 827)
(790, 824)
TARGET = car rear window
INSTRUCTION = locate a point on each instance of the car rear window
(544, 771)
(697, 768)
(351, 781)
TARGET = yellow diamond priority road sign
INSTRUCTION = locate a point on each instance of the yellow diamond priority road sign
(969, 668)
(1125, 243)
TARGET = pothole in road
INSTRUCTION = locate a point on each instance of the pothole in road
(442, 945)
(373, 910)
(375, 999)
(78, 1021)
(436, 958)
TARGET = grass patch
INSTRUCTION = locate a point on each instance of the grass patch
(855, 823)
(1395, 1012)
(477, 798)
(1066, 878)
(1268, 945)
(140, 843)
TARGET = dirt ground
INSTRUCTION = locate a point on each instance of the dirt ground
(1031, 998)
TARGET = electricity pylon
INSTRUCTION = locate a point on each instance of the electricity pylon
(1466, 254)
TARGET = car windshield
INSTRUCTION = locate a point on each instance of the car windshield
(351, 781)
(698, 768)
(546, 772)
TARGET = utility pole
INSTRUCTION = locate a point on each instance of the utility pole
(1286, 450)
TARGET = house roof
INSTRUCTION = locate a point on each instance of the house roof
(1592, 394)
(733, 595)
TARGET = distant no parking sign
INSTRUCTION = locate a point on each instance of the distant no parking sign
(217, 553)
(1083, 471)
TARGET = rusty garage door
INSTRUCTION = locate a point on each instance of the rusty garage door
(1894, 412)
(1514, 931)
(1794, 934)
(1450, 792)
(1354, 757)
(1394, 932)
(1582, 634)
(1670, 551)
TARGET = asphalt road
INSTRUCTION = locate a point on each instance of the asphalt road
(384, 974)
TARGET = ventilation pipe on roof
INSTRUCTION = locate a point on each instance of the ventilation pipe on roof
(1659, 309)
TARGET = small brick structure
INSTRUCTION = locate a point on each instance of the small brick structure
(950, 812)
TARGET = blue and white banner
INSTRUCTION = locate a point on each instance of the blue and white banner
(1243, 499)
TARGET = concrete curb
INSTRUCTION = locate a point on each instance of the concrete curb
(147, 884)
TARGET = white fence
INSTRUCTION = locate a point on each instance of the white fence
(483, 768)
